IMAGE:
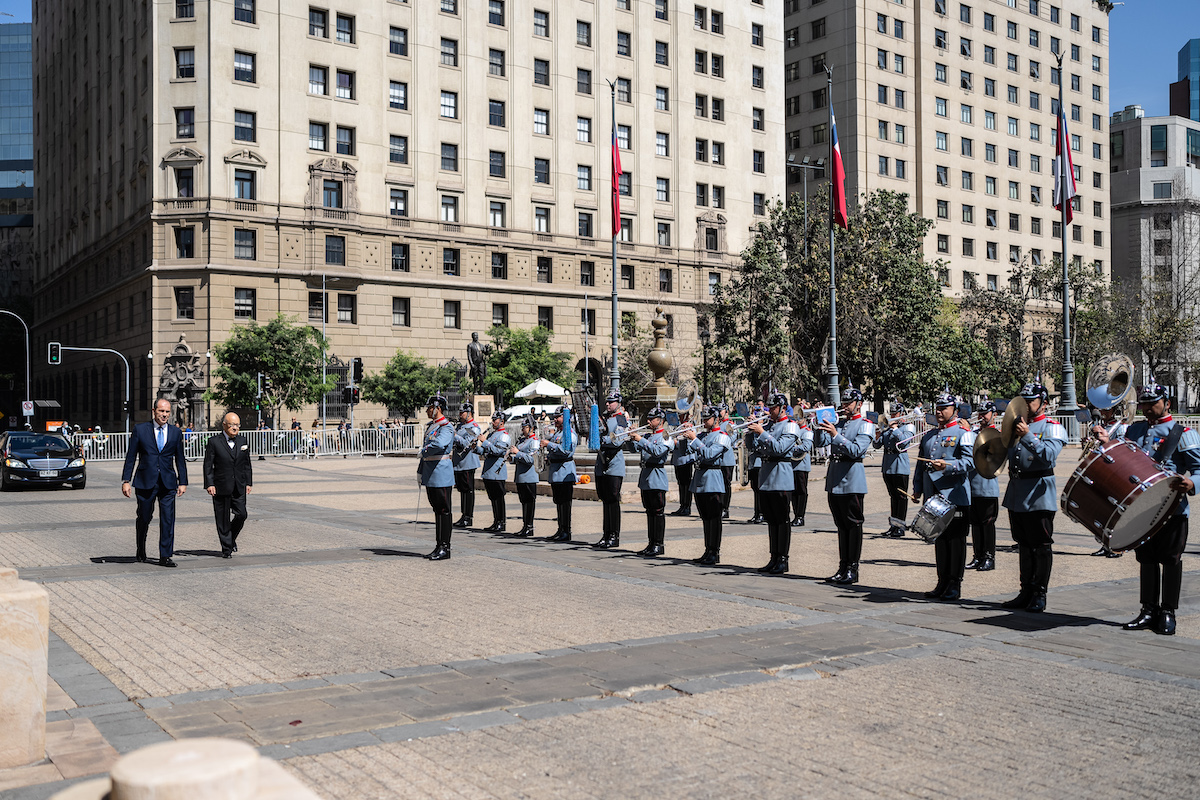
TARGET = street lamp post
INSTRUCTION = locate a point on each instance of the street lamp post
(28, 390)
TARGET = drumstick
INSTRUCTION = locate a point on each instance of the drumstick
(909, 496)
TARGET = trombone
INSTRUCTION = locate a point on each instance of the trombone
(752, 420)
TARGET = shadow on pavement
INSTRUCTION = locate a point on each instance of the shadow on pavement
(387, 551)
(212, 553)
(113, 559)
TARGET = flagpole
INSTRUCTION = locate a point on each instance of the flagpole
(833, 392)
(1066, 401)
(615, 374)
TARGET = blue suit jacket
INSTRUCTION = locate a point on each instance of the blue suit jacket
(169, 466)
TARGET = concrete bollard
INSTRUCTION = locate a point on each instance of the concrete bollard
(24, 659)
(193, 769)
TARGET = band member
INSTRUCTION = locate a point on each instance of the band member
(610, 471)
(985, 503)
(1113, 429)
(1032, 496)
(1160, 558)
(652, 480)
(437, 473)
(465, 461)
(560, 454)
(753, 467)
(801, 468)
(895, 441)
(708, 482)
(773, 443)
(846, 480)
(730, 460)
(943, 469)
(683, 459)
(522, 456)
(494, 447)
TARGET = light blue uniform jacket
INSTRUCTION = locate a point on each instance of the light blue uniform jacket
(434, 462)
(710, 449)
(654, 450)
(895, 449)
(774, 446)
(730, 458)
(1037, 452)
(495, 453)
(954, 444)
(610, 460)
(802, 454)
(561, 458)
(523, 461)
(845, 473)
(981, 487)
(467, 432)
(681, 453)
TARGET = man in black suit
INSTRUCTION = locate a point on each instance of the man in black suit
(157, 448)
(228, 478)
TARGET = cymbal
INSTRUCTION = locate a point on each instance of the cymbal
(990, 454)
(1017, 407)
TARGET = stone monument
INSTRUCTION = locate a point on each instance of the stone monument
(182, 381)
(658, 392)
(24, 660)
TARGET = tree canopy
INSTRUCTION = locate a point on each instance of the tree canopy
(405, 383)
(518, 357)
(288, 354)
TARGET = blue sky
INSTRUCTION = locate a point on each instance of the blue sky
(1144, 38)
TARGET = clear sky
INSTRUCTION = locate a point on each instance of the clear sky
(1144, 38)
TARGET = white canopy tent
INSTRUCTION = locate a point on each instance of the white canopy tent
(542, 388)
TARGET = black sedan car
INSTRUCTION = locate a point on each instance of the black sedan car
(40, 459)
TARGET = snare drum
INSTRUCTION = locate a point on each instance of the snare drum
(1121, 495)
(933, 518)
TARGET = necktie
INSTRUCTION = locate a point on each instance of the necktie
(162, 437)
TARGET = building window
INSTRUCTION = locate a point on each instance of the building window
(243, 184)
(587, 273)
(496, 113)
(450, 261)
(317, 79)
(316, 307)
(398, 202)
(244, 126)
(500, 315)
(541, 23)
(666, 281)
(398, 41)
(449, 52)
(331, 195)
(496, 164)
(185, 9)
(583, 33)
(718, 197)
(243, 303)
(661, 54)
(583, 129)
(541, 170)
(244, 244)
(583, 177)
(624, 44)
(449, 208)
(318, 136)
(243, 67)
(335, 250)
(541, 72)
(397, 95)
(662, 99)
(243, 10)
(760, 204)
(185, 123)
(185, 62)
(546, 317)
(541, 219)
(627, 279)
(450, 314)
(185, 302)
(399, 257)
(625, 234)
(496, 62)
(545, 269)
(398, 149)
(400, 312)
(496, 12)
(497, 214)
(756, 77)
(662, 144)
(318, 20)
(664, 235)
(583, 81)
(185, 242)
(585, 224)
(500, 268)
(449, 105)
(345, 29)
(449, 157)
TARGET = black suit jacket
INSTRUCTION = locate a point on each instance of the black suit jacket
(228, 469)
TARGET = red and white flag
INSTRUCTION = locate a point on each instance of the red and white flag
(1064, 170)
(616, 184)
(839, 178)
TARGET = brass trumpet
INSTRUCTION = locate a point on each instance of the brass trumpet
(911, 418)
(750, 421)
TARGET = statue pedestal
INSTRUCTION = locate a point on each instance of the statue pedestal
(24, 659)
(656, 394)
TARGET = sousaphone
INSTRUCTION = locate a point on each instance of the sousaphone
(1109, 384)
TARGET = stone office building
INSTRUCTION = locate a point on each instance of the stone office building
(439, 166)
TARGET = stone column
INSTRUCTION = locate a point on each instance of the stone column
(24, 659)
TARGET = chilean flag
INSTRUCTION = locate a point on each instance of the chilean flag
(1064, 170)
(839, 178)
(616, 181)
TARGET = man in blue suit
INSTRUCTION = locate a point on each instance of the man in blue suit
(157, 447)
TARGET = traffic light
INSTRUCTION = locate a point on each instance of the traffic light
(357, 369)
(126, 407)
(354, 396)
(347, 396)
(267, 383)
(55, 354)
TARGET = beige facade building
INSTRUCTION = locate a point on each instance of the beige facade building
(954, 103)
(443, 165)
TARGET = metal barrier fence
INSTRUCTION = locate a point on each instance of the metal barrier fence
(279, 444)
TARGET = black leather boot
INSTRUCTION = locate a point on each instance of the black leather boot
(851, 573)
(953, 591)
(1025, 554)
(987, 564)
(839, 576)
(773, 542)
(1146, 618)
(974, 563)
(783, 533)
(1043, 561)
(442, 551)
(656, 533)
(464, 522)
(1165, 625)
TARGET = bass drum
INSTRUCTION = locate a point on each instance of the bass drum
(933, 518)
(1121, 495)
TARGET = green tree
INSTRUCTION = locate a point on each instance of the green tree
(288, 354)
(405, 383)
(519, 357)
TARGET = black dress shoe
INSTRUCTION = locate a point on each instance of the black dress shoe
(440, 553)
(166, 562)
(463, 522)
(1103, 551)
(604, 543)
(798, 522)
(1145, 619)
(757, 519)
(937, 592)
(725, 514)
(525, 532)
(1113, 554)
(974, 563)
(710, 558)
(651, 551)
(561, 536)
(837, 577)
(1020, 601)
(770, 565)
(987, 565)
(952, 593)
(494, 527)
(140, 558)
(235, 547)
(226, 554)
(1037, 603)
(681, 512)
(780, 568)
(1165, 626)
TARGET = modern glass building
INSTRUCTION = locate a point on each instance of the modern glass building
(1189, 70)
(16, 125)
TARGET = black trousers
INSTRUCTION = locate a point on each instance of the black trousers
(847, 510)
(563, 493)
(711, 508)
(754, 472)
(897, 485)
(1161, 562)
(1033, 532)
(683, 477)
(984, 511)
(728, 473)
(527, 494)
(464, 482)
(950, 550)
(229, 528)
(800, 494)
(495, 493)
(439, 501)
(608, 489)
(655, 503)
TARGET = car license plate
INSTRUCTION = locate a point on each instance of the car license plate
(47, 473)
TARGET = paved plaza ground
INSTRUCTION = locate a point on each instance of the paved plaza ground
(521, 668)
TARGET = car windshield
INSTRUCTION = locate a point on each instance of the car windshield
(37, 442)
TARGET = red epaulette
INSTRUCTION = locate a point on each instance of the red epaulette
(1053, 421)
